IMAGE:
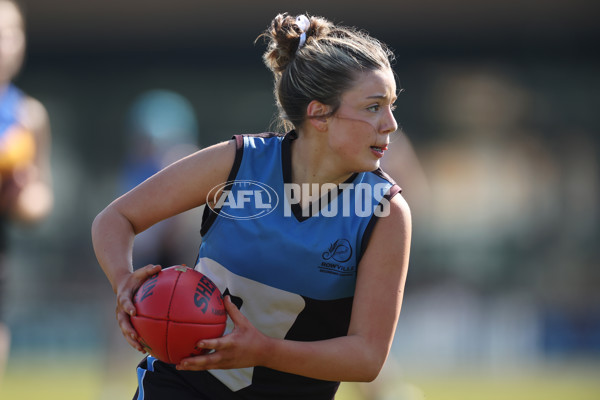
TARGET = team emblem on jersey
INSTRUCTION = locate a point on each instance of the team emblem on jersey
(340, 251)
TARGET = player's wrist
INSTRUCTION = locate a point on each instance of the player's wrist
(268, 351)
(119, 280)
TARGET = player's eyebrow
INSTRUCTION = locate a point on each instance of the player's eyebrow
(382, 96)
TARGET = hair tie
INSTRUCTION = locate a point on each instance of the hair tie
(303, 23)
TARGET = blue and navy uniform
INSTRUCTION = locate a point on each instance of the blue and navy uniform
(293, 275)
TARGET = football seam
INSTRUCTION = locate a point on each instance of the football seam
(169, 315)
(180, 322)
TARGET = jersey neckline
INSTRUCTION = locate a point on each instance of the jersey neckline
(300, 214)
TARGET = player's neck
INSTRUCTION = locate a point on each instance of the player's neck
(312, 163)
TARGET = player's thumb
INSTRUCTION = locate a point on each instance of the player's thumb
(147, 271)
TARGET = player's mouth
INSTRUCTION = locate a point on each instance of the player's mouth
(378, 150)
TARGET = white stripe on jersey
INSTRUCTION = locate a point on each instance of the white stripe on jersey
(272, 311)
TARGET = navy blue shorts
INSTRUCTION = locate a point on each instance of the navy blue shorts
(161, 381)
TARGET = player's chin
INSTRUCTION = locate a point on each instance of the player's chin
(369, 165)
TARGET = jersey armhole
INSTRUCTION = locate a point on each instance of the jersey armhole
(209, 215)
(394, 190)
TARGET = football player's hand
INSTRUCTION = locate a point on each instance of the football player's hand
(126, 289)
(241, 348)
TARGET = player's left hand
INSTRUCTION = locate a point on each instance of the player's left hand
(241, 348)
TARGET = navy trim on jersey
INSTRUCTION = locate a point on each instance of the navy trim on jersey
(394, 190)
(209, 215)
(286, 158)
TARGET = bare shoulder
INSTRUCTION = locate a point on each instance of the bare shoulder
(398, 222)
(389, 244)
(216, 160)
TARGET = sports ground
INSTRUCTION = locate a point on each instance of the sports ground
(84, 378)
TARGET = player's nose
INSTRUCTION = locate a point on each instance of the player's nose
(388, 123)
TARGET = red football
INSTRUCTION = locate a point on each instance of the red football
(175, 309)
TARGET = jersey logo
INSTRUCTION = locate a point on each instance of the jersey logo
(340, 251)
(242, 199)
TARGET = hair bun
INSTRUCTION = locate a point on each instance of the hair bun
(314, 59)
(287, 34)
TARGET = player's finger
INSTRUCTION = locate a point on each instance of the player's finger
(208, 361)
(234, 313)
(128, 331)
(213, 344)
(141, 275)
(124, 299)
(145, 272)
(125, 303)
(125, 325)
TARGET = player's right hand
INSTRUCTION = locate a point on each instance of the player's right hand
(126, 289)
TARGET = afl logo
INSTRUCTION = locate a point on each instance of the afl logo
(340, 251)
(243, 199)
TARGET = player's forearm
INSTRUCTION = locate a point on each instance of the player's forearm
(112, 237)
(347, 358)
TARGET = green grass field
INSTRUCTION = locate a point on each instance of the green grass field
(84, 378)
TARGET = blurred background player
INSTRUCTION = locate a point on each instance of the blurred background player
(161, 127)
(25, 187)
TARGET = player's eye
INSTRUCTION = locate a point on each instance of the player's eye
(377, 107)
(374, 108)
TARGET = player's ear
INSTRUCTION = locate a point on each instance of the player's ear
(318, 114)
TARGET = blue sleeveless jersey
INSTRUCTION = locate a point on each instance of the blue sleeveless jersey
(292, 275)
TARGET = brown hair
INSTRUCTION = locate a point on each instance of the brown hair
(322, 69)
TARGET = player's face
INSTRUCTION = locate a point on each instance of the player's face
(12, 41)
(360, 129)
